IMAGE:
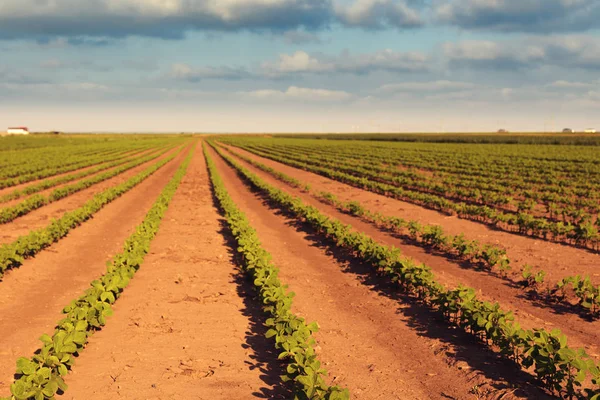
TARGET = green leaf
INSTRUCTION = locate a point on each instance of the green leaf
(26, 366)
(62, 370)
(50, 389)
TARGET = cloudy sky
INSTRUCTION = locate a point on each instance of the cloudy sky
(300, 65)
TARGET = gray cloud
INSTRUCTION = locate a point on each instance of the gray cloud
(79, 20)
(521, 15)
(379, 14)
(19, 77)
(188, 73)
(385, 60)
(565, 51)
(428, 87)
(301, 63)
(300, 37)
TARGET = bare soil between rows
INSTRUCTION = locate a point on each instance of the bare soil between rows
(372, 341)
(186, 326)
(529, 312)
(36, 181)
(48, 191)
(32, 296)
(42, 216)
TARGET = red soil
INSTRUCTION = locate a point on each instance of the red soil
(181, 329)
(33, 296)
(369, 342)
(24, 185)
(189, 325)
(42, 216)
(556, 259)
(530, 314)
(50, 190)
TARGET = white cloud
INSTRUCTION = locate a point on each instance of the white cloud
(427, 87)
(193, 74)
(570, 85)
(300, 61)
(300, 94)
(384, 60)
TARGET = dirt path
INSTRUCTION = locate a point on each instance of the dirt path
(554, 258)
(41, 217)
(530, 314)
(33, 296)
(47, 192)
(180, 331)
(369, 341)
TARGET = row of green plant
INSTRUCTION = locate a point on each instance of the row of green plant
(292, 336)
(293, 182)
(584, 233)
(582, 287)
(57, 152)
(8, 214)
(504, 191)
(476, 253)
(46, 162)
(60, 167)
(51, 182)
(42, 376)
(479, 138)
(509, 194)
(559, 369)
(487, 255)
(559, 170)
(12, 255)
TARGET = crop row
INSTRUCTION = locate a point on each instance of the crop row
(59, 168)
(472, 251)
(584, 233)
(559, 368)
(12, 255)
(556, 169)
(22, 166)
(51, 182)
(67, 160)
(42, 376)
(566, 199)
(292, 336)
(61, 152)
(28, 169)
(8, 214)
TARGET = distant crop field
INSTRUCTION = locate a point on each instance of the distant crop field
(591, 139)
(300, 266)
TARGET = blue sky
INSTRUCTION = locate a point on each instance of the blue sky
(300, 65)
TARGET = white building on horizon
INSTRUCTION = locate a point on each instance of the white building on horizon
(19, 130)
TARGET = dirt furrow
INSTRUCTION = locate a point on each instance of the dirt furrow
(42, 216)
(181, 329)
(556, 259)
(531, 314)
(24, 185)
(32, 296)
(48, 191)
(370, 341)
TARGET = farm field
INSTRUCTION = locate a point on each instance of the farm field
(299, 267)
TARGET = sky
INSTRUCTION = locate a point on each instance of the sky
(300, 65)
